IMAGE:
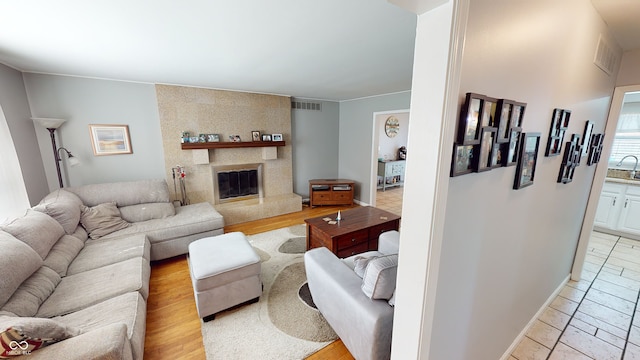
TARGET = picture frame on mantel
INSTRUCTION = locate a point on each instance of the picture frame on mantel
(527, 160)
(108, 139)
(255, 136)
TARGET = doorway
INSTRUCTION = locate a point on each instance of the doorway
(388, 154)
(599, 178)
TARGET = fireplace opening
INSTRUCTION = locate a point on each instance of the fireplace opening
(237, 182)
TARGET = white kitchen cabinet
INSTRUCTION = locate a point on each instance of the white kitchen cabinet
(630, 215)
(608, 209)
(619, 208)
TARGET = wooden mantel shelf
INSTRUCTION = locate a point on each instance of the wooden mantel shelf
(230, 144)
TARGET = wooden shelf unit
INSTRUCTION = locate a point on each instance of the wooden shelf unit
(230, 144)
(330, 192)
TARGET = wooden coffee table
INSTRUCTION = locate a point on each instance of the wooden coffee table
(357, 232)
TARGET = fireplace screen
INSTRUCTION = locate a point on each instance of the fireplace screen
(237, 182)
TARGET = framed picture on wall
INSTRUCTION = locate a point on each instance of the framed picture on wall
(483, 159)
(510, 149)
(586, 137)
(557, 129)
(469, 126)
(527, 159)
(111, 139)
(462, 159)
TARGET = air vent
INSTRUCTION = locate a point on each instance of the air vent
(606, 57)
(302, 105)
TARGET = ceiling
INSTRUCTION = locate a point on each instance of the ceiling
(328, 49)
(623, 19)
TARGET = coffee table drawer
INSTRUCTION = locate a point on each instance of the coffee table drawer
(357, 249)
(352, 239)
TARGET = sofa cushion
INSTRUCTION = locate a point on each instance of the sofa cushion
(101, 220)
(128, 309)
(190, 219)
(124, 193)
(143, 212)
(36, 229)
(87, 288)
(64, 207)
(80, 233)
(379, 280)
(63, 253)
(99, 253)
(30, 334)
(32, 292)
(18, 261)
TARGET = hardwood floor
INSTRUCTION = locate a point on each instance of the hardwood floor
(173, 326)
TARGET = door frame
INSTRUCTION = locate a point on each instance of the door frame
(375, 140)
(598, 179)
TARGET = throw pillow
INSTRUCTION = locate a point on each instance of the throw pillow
(102, 219)
(379, 280)
(23, 335)
(361, 263)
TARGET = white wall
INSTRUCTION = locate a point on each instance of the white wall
(13, 100)
(314, 136)
(84, 101)
(505, 251)
(356, 137)
(629, 69)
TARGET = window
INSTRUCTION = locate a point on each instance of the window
(626, 140)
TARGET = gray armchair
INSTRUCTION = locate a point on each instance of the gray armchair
(364, 324)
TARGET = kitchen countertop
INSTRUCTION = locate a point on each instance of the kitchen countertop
(622, 181)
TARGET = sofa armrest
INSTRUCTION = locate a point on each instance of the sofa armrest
(389, 242)
(106, 343)
(364, 325)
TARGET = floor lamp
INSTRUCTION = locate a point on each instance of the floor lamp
(51, 125)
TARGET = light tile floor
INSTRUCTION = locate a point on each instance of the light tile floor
(390, 200)
(597, 317)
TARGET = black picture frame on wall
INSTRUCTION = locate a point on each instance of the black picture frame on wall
(503, 120)
(527, 160)
(586, 137)
(595, 150)
(462, 160)
(483, 159)
(510, 149)
(570, 159)
(469, 127)
(559, 124)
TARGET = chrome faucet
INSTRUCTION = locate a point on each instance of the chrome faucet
(633, 172)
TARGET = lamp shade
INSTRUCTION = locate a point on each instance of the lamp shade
(49, 123)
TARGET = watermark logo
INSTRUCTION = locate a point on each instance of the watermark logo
(18, 348)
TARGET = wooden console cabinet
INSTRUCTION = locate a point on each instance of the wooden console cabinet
(330, 192)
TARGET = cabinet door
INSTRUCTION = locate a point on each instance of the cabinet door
(610, 205)
(630, 215)
(606, 211)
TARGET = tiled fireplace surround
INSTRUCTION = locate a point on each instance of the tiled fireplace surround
(208, 111)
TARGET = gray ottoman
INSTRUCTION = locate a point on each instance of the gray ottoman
(225, 271)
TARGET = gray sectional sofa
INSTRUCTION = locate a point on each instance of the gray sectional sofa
(75, 268)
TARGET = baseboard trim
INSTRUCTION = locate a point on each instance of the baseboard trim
(524, 331)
